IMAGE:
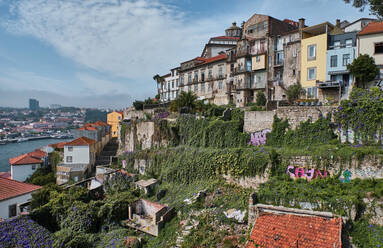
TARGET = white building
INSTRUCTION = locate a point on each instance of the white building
(14, 196)
(358, 25)
(79, 158)
(168, 85)
(23, 166)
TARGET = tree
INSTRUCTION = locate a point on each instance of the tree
(293, 92)
(261, 99)
(364, 69)
(376, 6)
(184, 100)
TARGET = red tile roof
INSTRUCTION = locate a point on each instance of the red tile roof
(87, 128)
(216, 58)
(10, 188)
(101, 123)
(82, 141)
(25, 159)
(372, 28)
(38, 154)
(225, 38)
(288, 230)
(58, 145)
(6, 175)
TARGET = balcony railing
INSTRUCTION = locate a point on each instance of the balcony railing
(257, 51)
(329, 84)
(243, 69)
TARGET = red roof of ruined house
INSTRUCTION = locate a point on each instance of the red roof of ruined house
(58, 145)
(155, 205)
(372, 28)
(225, 38)
(287, 230)
(82, 141)
(25, 159)
(10, 188)
(291, 22)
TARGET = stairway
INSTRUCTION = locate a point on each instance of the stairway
(108, 152)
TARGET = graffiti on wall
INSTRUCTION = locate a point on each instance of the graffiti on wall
(259, 138)
(346, 176)
(299, 172)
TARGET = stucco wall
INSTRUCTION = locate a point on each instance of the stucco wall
(366, 45)
(4, 205)
(22, 172)
(320, 62)
(80, 155)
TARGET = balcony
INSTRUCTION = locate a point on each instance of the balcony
(255, 51)
(329, 84)
(239, 70)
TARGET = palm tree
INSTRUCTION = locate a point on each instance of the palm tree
(185, 99)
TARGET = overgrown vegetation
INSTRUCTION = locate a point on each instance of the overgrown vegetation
(363, 69)
(294, 91)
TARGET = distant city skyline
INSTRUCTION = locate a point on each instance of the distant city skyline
(108, 57)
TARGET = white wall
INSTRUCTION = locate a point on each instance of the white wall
(80, 155)
(4, 205)
(354, 27)
(22, 172)
(366, 45)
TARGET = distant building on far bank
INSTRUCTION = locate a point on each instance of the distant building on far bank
(34, 104)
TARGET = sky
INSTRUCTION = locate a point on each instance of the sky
(104, 53)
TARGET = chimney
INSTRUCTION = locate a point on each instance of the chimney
(301, 23)
(337, 23)
(234, 24)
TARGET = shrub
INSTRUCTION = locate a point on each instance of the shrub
(261, 98)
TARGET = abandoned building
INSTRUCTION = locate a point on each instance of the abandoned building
(148, 217)
(147, 186)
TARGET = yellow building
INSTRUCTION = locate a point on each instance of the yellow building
(113, 120)
(314, 56)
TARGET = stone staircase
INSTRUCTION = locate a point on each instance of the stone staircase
(108, 153)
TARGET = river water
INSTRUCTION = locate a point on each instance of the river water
(15, 149)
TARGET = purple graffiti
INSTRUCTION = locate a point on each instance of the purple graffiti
(259, 138)
(309, 174)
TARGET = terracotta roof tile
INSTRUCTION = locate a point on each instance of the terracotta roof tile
(101, 123)
(10, 188)
(82, 141)
(58, 145)
(372, 28)
(38, 154)
(216, 58)
(287, 230)
(6, 175)
(25, 159)
(87, 128)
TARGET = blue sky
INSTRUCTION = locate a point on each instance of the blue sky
(104, 53)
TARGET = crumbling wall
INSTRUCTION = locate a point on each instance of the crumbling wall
(260, 120)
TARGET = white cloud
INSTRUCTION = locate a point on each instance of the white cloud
(131, 39)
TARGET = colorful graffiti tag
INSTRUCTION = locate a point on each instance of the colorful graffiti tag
(259, 138)
(298, 172)
(346, 176)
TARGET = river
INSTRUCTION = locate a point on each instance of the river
(15, 149)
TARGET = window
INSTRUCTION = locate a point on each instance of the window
(12, 210)
(69, 159)
(311, 73)
(119, 118)
(196, 88)
(312, 52)
(346, 59)
(189, 88)
(220, 85)
(294, 52)
(182, 79)
(189, 77)
(294, 72)
(203, 88)
(196, 76)
(169, 86)
(336, 44)
(70, 148)
(349, 43)
(202, 76)
(177, 83)
(379, 48)
(34, 167)
(220, 71)
(210, 75)
(76, 178)
(334, 61)
(208, 87)
(258, 58)
(173, 84)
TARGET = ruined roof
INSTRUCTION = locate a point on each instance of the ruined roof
(290, 230)
(82, 141)
(372, 28)
(10, 188)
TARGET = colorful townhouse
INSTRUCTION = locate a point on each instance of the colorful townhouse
(314, 45)
(79, 160)
(341, 52)
(113, 119)
(370, 41)
(23, 166)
